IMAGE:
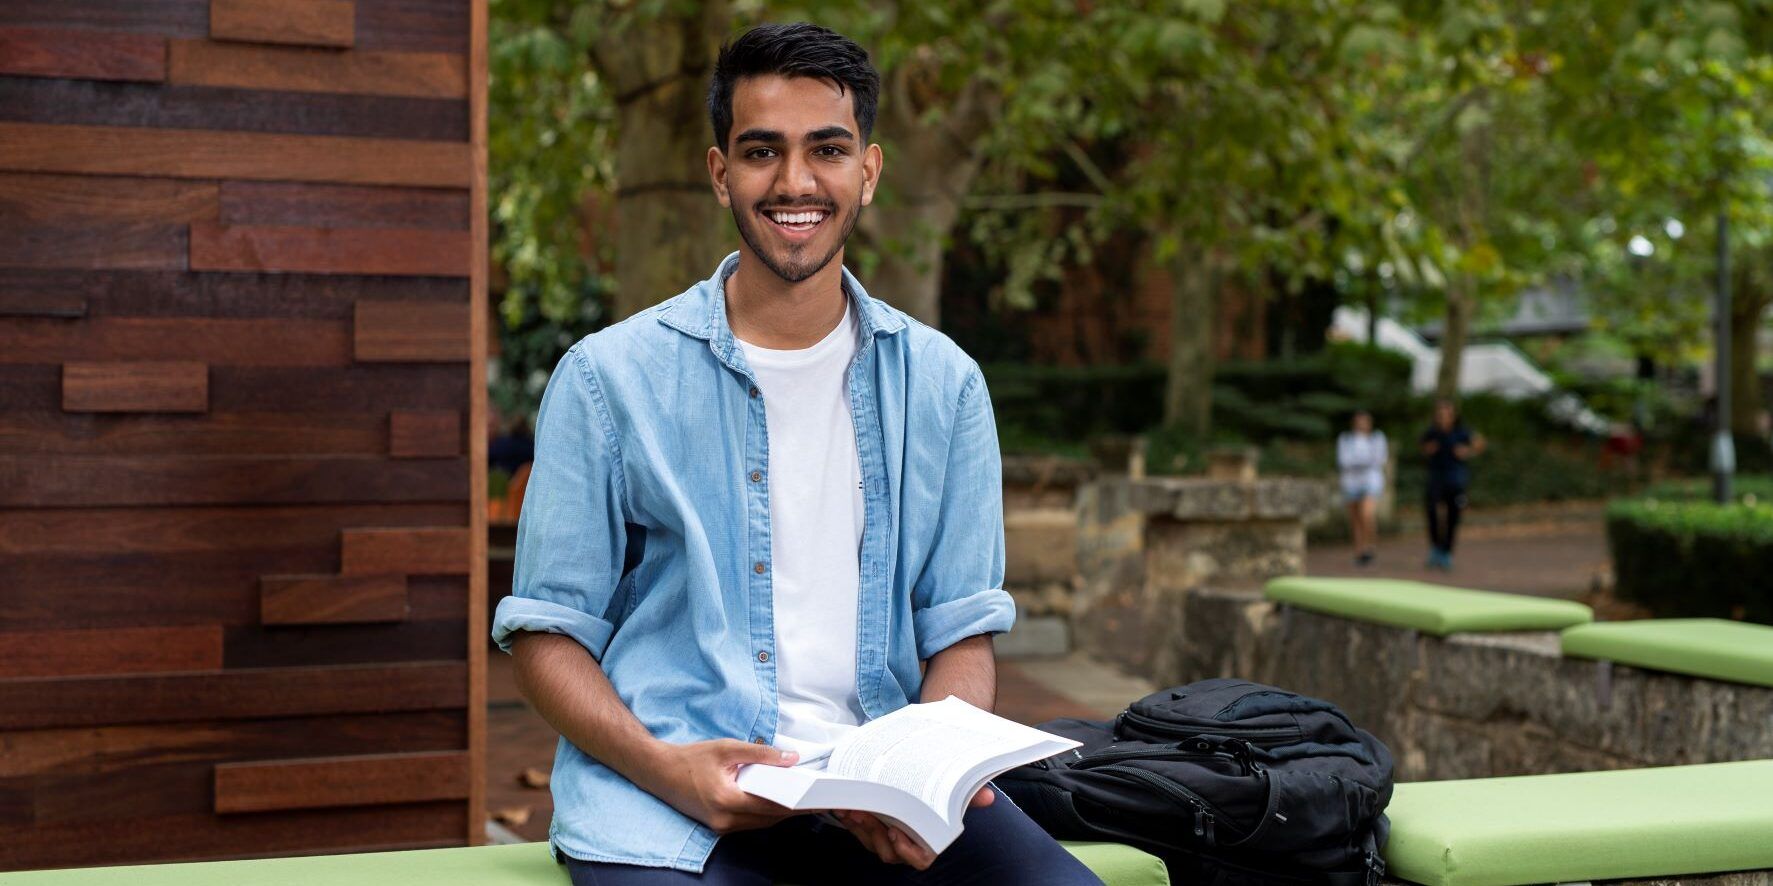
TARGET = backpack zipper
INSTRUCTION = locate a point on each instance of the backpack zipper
(1205, 814)
(1266, 736)
(1164, 752)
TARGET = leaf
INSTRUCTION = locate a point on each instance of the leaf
(534, 778)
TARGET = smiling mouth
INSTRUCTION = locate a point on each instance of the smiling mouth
(799, 221)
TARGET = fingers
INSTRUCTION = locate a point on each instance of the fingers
(737, 752)
(892, 845)
(985, 797)
(909, 852)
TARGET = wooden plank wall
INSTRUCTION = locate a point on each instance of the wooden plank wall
(242, 493)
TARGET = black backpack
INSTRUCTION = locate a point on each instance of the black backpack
(1232, 783)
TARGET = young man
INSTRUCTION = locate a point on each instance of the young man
(761, 513)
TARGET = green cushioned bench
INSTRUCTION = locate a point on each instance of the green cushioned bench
(1702, 647)
(1583, 826)
(1429, 608)
(524, 864)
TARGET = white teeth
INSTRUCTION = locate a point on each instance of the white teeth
(797, 218)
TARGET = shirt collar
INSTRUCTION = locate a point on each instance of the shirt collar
(701, 311)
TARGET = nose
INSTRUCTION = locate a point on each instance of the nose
(795, 178)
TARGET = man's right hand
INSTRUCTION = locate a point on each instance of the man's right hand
(700, 781)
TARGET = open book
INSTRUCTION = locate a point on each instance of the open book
(917, 767)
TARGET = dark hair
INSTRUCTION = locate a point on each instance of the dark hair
(794, 50)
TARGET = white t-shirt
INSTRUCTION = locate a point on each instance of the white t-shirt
(815, 494)
(1361, 459)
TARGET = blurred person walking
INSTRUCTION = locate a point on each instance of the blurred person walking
(1449, 446)
(1361, 457)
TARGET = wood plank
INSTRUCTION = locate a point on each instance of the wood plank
(332, 599)
(60, 199)
(223, 296)
(188, 18)
(195, 153)
(343, 206)
(239, 694)
(329, 251)
(131, 590)
(361, 387)
(135, 386)
(206, 836)
(424, 434)
(414, 25)
(107, 750)
(283, 646)
(411, 332)
(139, 791)
(80, 481)
(307, 23)
(217, 342)
(119, 590)
(439, 550)
(324, 782)
(26, 244)
(60, 305)
(295, 69)
(196, 434)
(157, 106)
(481, 338)
(35, 389)
(115, 651)
(165, 530)
(67, 52)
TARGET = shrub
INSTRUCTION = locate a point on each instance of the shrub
(1693, 558)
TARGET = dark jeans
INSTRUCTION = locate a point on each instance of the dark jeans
(1001, 844)
(1449, 499)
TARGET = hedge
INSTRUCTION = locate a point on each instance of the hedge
(1693, 558)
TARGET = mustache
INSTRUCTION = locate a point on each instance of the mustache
(825, 205)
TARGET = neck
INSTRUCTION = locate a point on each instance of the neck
(770, 312)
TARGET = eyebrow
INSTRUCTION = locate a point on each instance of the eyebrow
(775, 136)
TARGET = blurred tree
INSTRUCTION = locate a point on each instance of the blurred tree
(1674, 104)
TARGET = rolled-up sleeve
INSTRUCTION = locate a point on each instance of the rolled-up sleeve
(572, 532)
(960, 591)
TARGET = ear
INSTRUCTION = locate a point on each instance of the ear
(872, 162)
(717, 175)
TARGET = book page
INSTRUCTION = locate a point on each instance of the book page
(928, 750)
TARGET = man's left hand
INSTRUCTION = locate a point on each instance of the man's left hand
(891, 844)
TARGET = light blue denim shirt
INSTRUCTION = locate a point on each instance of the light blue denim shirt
(646, 538)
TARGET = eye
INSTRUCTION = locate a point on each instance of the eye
(761, 153)
(829, 151)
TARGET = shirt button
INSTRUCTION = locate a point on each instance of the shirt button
(758, 741)
(763, 656)
(753, 392)
(756, 476)
(758, 569)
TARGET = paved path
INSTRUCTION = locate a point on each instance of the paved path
(1551, 559)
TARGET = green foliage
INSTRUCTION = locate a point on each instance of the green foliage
(1694, 558)
(549, 143)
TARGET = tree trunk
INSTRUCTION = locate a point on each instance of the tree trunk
(1461, 301)
(1747, 306)
(1188, 395)
(929, 167)
(670, 230)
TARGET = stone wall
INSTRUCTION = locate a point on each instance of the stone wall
(1474, 705)
(1143, 543)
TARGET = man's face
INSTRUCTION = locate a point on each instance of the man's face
(795, 172)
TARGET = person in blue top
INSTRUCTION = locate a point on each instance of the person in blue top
(761, 513)
(1449, 446)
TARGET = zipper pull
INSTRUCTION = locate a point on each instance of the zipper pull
(1211, 840)
(1200, 821)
